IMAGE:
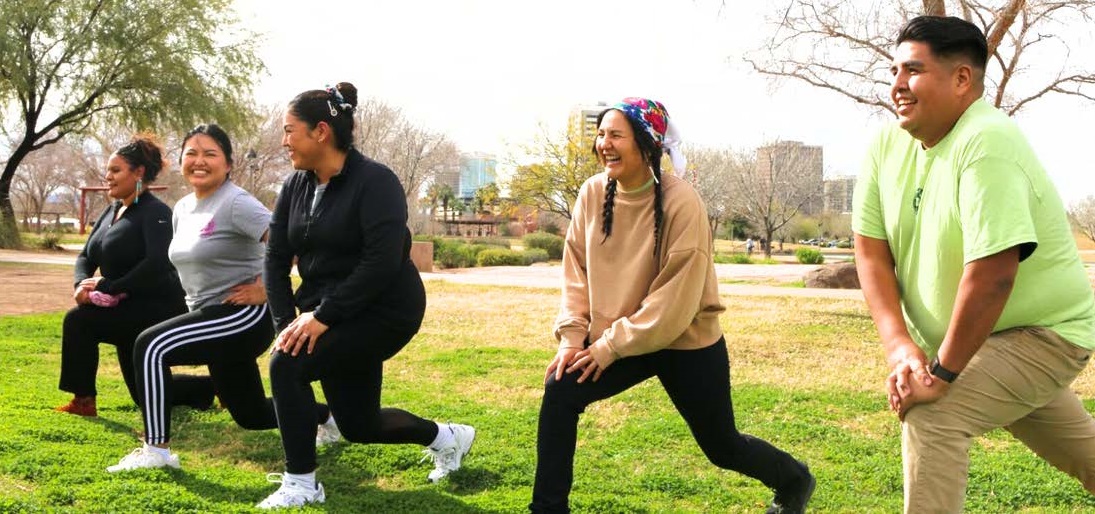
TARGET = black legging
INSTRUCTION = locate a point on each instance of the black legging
(698, 383)
(85, 326)
(348, 361)
(227, 338)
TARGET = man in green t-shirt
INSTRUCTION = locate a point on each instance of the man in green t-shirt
(971, 274)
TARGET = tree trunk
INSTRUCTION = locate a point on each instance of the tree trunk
(935, 8)
(9, 229)
(1004, 20)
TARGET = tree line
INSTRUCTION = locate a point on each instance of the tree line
(75, 71)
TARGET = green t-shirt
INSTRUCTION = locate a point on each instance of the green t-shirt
(979, 191)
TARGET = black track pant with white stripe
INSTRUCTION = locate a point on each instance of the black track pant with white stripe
(227, 338)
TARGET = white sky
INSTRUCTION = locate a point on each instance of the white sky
(487, 72)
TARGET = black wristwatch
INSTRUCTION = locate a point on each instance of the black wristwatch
(937, 369)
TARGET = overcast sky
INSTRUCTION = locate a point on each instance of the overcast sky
(487, 72)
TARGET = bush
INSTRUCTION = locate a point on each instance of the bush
(732, 258)
(550, 227)
(500, 257)
(491, 241)
(456, 254)
(550, 242)
(809, 256)
(50, 239)
(535, 255)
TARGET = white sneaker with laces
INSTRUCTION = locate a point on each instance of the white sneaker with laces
(144, 457)
(328, 433)
(448, 459)
(292, 493)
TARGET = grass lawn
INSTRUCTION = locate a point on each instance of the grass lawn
(806, 376)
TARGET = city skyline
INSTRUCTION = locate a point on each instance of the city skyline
(483, 73)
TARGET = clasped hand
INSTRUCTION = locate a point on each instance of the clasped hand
(85, 286)
(303, 332)
(910, 383)
(571, 360)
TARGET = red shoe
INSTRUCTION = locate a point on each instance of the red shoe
(80, 406)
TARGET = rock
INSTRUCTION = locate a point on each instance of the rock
(833, 276)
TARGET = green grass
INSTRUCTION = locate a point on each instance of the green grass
(807, 382)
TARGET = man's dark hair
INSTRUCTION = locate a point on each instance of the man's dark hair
(948, 37)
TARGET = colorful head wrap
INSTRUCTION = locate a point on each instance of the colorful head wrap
(653, 117)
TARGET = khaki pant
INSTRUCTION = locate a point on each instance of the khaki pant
(1019, 380)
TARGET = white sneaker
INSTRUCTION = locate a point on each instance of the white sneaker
(446, 460)
(292, 493)
(144, 457)
(328, 433)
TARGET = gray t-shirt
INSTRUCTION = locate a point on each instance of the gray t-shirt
(217, 243)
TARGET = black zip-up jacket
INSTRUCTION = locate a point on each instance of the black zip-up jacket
(353, 253)
(131, 253)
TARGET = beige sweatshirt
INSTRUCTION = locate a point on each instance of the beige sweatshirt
(617, 294)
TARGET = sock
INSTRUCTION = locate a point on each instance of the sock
(163, 452)
(444, 437)
(307, 480)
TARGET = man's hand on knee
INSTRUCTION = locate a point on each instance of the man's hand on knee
(923, 388)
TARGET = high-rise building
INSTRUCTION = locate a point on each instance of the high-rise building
(796, 167)
(476, 171)
(583, 122)
(838, 194)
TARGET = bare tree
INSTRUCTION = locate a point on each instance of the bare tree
(844, 46)
(712, 173)
(415, 154)
(777, 185)
(1082, 214)
(41, 176)
(261, 164)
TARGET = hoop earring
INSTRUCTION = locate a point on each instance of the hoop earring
(140, 185)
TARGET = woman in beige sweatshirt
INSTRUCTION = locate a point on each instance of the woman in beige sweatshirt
(640, 299)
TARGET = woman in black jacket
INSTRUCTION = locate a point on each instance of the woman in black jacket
(136, 288)
(344, 218)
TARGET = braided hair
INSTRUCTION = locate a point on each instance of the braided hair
(652, 155)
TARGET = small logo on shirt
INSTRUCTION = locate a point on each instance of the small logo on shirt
(208, 229)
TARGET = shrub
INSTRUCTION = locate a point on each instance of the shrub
(550, 227)
(500, 257)
(809, 256)
(456, 254)
(534, 255)
(550, 242)
(50, 240)
(491, 241)
(732, 258)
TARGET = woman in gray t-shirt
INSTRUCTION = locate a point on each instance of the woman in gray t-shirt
(218, 249)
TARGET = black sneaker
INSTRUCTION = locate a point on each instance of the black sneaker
(793, 499)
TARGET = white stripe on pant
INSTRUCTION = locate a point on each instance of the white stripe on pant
(152, 364)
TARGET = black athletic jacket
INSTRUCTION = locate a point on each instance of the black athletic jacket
(131, 253)
(353, 254)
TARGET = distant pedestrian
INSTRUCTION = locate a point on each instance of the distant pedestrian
(640, 299)
(749, 246)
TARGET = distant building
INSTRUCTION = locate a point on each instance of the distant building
(476, 170)
(838, 194)
(583, 122)
(794, 164)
